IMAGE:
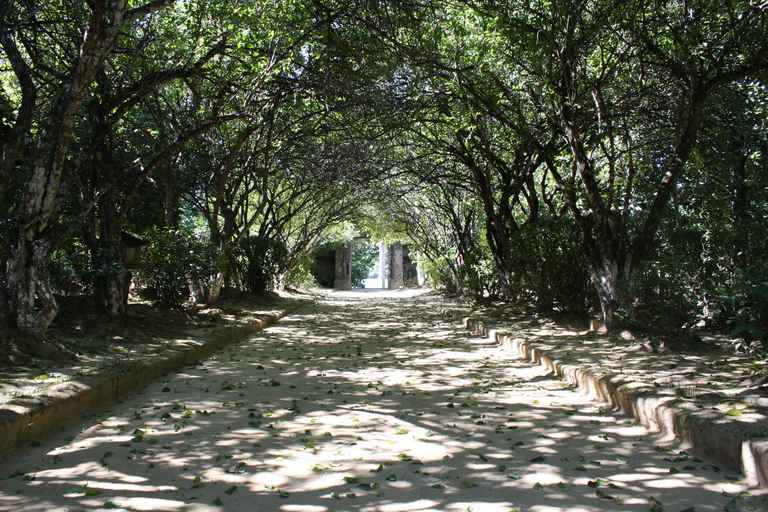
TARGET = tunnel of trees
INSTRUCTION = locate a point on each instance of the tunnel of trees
(590, 156)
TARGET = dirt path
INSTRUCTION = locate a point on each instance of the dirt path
(363, 402)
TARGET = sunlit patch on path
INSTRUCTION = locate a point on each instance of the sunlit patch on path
(363, 402)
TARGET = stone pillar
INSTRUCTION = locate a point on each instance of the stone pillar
(343, 268)
(396, 266)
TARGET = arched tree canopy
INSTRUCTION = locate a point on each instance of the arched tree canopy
(574, 153)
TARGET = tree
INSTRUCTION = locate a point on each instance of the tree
(47, 122)
(576, 56)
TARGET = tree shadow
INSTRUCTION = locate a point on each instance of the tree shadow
(364, 405)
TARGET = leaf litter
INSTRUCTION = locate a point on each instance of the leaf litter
(440, 457)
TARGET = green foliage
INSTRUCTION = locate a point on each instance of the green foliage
(441, 271)
(364, 256)
(172, 258)
(549, 266)
(665, 297)
(745, 305)
(480, 273)
(260, 260)
(70, 269)
(300, 275)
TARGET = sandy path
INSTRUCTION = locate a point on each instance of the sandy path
(363, 402)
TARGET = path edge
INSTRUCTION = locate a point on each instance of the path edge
(658, 413)
(23, 420)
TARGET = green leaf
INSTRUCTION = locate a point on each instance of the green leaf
(734, 412)
(655, 506)
(579, 468)
(283, 494)
(230, 489)
(731, 506)
(539, 458)
(350, 480)
(563, 487)
(673, 471)
(91, 492)
(392, 478)
(111, 504)
(690, 509)
(537, 486)
(601, 494)
(218, 502)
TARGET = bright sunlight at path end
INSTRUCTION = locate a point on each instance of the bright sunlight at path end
(370, 402)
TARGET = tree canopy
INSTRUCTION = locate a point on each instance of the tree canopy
(576, 154)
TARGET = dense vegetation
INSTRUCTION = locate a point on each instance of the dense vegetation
(581, 155)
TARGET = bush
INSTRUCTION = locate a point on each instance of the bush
(550, 265)
(745, 306)
(174, 257)
(71, 272)
(480, 273)
(440, 271)
(260, 259)
(300, 276)
(664, 296)
(673, 289)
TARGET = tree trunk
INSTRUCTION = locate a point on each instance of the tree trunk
(30, 298)
(215, 283)
(611, 285)
(207, 291)
(109, 285)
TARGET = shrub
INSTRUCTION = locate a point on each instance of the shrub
(745, 305)
(300, 276)
(260, 259)
(172, 258)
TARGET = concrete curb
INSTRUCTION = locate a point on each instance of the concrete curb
(659, 413)
(25, 419)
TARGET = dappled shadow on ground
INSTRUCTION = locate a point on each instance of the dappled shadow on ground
(365, 404)
(698, 374)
